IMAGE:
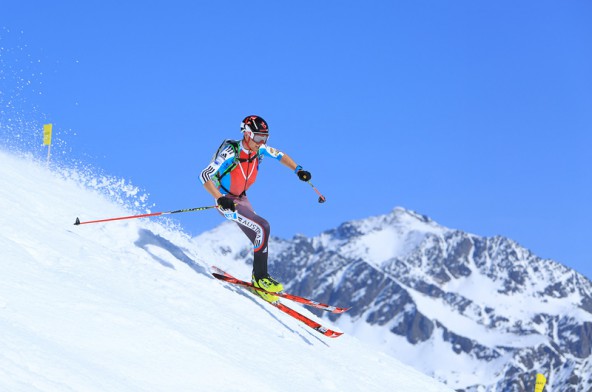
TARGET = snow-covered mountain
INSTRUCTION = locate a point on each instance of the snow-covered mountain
(131, 306)
(481, 314)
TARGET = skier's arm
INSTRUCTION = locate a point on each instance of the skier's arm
(223, 202)
(289, 162)
(212, 190)
(220, 162)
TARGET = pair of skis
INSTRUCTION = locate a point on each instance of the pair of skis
(226, 277)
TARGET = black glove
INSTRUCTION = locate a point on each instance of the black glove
(226, 203)
(303, 175)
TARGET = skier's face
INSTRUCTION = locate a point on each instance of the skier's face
(260, 138)
(254, 141)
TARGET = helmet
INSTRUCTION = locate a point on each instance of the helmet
(254, 124)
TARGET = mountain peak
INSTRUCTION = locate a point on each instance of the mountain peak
(399, 218)
(412, 219)
(381, 238)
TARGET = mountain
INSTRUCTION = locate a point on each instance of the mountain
(131, 305)
(480, 314)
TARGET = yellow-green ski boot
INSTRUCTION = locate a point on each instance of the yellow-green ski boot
(269, 284)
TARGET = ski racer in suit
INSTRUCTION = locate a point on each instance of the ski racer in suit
(232, 171)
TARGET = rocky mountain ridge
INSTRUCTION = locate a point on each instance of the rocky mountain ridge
(481, 314)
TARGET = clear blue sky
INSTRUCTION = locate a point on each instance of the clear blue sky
(477, 114)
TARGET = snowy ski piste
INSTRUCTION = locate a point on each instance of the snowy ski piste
(132, 305)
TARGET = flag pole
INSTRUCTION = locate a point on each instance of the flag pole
(48, 153)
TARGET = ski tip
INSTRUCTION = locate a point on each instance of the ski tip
(333, 334)
(77, 222)
(341, 310)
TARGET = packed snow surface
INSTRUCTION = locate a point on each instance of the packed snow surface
(131, 306)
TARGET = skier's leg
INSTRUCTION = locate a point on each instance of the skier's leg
(256, 229)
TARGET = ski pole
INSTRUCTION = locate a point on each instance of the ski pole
(144, 215)
(322, 198)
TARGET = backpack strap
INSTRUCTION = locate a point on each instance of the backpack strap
(236, 159)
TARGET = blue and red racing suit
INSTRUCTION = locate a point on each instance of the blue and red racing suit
(233, 177)
(243, 175)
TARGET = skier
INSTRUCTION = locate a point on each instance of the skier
(227, 178)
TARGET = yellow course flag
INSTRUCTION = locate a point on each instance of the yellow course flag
(47, 134)
(540, 383)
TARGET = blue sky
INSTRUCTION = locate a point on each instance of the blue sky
(477, 114)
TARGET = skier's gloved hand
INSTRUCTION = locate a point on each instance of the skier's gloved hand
(226, 203)
(302, 174)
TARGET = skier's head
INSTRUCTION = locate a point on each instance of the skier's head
(255, 129)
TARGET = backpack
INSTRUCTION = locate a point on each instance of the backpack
(237, 159)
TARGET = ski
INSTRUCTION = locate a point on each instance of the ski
(222, 275)
(289, 311)
(302, 318)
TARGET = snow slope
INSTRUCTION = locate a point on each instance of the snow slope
(130, 306)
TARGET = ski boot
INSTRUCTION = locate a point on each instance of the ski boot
(269, 284)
